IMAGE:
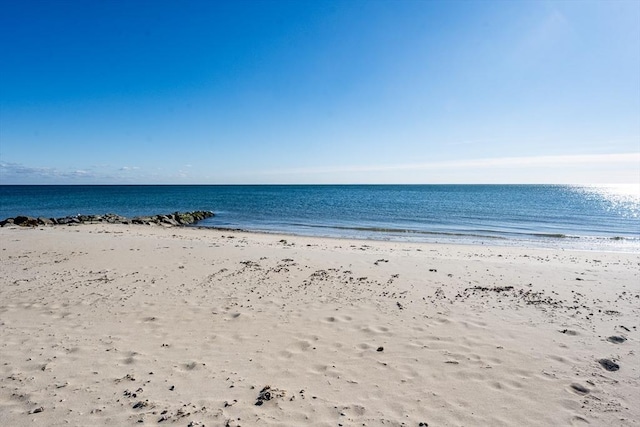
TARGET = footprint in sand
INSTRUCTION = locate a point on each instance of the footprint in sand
(579, 389)
(333, 319)
(616, 339)
(578, 421)
(609, 365)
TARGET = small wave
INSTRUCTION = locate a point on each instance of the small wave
(400, 231)
(554, 235)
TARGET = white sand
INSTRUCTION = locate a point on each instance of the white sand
(140, 325)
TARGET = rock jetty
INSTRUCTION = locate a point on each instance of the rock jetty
(170, 220)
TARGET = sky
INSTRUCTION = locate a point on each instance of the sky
(306, 92)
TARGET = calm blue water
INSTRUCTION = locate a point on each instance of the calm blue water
(543, 215)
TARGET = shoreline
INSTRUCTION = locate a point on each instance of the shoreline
(187, 219)
(491, 241)
(128, 324)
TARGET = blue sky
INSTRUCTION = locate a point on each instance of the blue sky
(143, 92)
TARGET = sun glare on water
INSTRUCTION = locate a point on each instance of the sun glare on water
(624, 198)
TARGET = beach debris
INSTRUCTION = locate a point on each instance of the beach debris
(37, 410)
(128, 377)
(380, 349)
(264, 395)
(493, 289)
(267, 393)
(140, 404)
(527, 296)
(129, 393)
(609, 365)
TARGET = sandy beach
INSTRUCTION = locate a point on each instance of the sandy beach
(145, 325)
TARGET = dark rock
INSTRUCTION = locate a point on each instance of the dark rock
(142, 220)
(185, 218)
(44, 221)
(167, 219)
(380, 349)
(112, 218)
(616, 339)
(19, 220)
(175, 219)
(68, 220)
(6, 221)
(25, 221)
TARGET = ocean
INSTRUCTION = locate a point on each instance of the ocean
(558, 216)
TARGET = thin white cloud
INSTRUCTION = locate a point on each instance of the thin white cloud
(576, 169)
(488, 163)
(13, 170)
(16, 173)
